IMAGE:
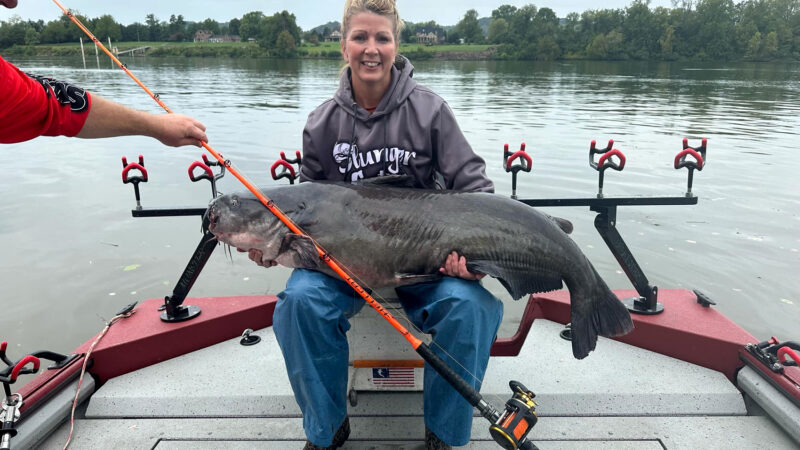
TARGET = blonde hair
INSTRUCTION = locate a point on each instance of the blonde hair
(386, 8)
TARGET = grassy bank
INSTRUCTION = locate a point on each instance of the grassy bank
(249, 49)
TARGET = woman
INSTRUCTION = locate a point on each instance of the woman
(381, 122)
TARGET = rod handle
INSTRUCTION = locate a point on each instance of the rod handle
(465, 389)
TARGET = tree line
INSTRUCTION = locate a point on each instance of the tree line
(702, 29)
(278, 33)
(690, 29)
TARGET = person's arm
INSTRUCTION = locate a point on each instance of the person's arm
(461, 168)
(311, 169)
(109, 119)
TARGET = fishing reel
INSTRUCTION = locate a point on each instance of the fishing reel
(519, 417)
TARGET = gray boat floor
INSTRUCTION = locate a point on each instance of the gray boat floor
(235, 397)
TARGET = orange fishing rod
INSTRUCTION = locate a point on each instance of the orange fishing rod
(509, 428)
(415, 342)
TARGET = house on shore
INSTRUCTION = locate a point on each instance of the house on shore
(207, 36)
(430, 36)
(335, 36)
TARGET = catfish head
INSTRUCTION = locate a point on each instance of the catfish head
(242, 221)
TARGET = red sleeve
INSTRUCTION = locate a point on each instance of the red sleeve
(38, 106)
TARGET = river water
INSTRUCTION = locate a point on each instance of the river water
(72, 255)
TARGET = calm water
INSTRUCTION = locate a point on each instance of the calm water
(73, 255)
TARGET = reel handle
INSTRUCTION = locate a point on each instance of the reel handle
(511, 429)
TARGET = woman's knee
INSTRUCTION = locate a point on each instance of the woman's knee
(311, 298)
(470, 297)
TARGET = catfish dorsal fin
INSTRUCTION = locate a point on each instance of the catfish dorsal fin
(399, 181)
(564, 224)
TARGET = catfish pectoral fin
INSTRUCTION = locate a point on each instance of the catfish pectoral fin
(408, 278)
(517, 283)
(298, 251)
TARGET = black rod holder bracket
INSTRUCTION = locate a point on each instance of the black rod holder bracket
(647, 302)
(173, 308)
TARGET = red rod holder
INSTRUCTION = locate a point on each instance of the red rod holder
(525, 165)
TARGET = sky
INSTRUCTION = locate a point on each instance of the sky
(309, 13)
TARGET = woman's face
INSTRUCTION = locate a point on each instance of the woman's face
(369, 49)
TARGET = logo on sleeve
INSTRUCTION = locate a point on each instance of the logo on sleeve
(65, 93)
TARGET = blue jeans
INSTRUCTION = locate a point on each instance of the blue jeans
(310, 322)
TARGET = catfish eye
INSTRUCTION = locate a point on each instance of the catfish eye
(235, 202)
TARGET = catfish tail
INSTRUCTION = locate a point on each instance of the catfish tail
(605, 316)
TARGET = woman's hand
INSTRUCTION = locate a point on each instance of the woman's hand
(456, 266)
(258, 257)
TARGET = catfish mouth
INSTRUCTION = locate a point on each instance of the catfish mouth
(241, 240)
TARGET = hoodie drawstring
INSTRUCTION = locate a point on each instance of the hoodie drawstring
(348, 176)
(385, 152)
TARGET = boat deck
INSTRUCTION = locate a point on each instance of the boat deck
(236, 397)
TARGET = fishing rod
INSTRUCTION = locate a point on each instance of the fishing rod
(509, 428)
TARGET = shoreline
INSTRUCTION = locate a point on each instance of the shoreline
(327, 50)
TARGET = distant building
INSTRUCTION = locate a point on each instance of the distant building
(202, 36)
(207, 36)
(335, 36)
(430, 36)
(225, 38)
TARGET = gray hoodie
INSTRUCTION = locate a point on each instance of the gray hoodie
(411, 132)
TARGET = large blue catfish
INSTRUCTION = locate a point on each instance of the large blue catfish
(386, 236)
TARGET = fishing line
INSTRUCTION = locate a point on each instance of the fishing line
(324, 255)
(121, 315)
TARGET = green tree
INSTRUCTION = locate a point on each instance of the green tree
(754, 46)
(769, 50)
(285, 45)
(498, 31)
(615, 44)
(640, 30)
(31, 37)
(272, 27)
(598, 49)
(607, 46)
(177, 28)
(521, 25)
(311, 37)
(505, 12)
(546, 21)
(13, 32)
(469, 29)
(570, 37)
(717, 19)
(233, 26)
(250, 27)
(210, 25)
(154, 27)
(106, 27)
(54, 32)
(666, 43)
(134, 32)
(547, 48)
